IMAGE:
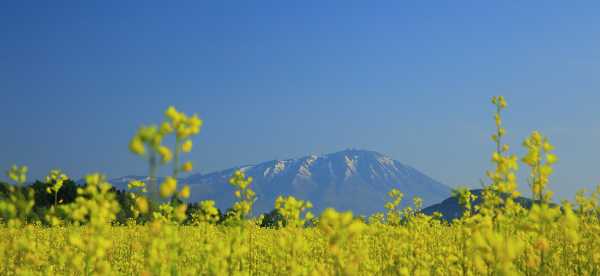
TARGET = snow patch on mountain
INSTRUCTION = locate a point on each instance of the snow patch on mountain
(350, 166)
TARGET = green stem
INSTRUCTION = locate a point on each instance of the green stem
(153, 180)
(176, 157)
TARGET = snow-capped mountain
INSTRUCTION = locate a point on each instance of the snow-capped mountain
(356, 180)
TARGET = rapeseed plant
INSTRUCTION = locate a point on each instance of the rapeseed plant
(293, 211)
(244, 195)
(17, 204)
(207, 213)
(55, 181)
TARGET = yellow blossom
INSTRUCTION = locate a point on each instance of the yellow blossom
(168, 187)
(165, 154)
(185, 192)
(187, 166)
(186, 146)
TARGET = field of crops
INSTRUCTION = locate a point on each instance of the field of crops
(163, 237)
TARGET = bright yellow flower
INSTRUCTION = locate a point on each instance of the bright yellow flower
(551, 158)
(165, 154)
(173, 114)
(187, 166)
(142, 205)
(168, 187)
(166, 128)
(18, 174)
(137, 146)
(187, 146)
(195, 124)
(185, 192)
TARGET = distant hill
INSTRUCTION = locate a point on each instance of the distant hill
(356, 180)
(451, 209)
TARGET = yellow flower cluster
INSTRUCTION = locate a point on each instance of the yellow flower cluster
(292, 209)
(173, 211)
(494, 253)
(244, 195)
(168, 187)
(208, 213)
(16, 205)
(394, 213)
(465, 199)
(18, 174)
(183, 125)
(55, 181)
(151, 137)
(503, 177)
(540, 158)
(341, 229)
(95, 207)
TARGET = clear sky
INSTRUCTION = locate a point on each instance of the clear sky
(281, 79)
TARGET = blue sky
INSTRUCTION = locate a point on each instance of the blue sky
(280, 79)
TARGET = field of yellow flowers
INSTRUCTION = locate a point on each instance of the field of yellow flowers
(496, 237)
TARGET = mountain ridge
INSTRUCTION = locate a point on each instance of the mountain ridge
(351, 179)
